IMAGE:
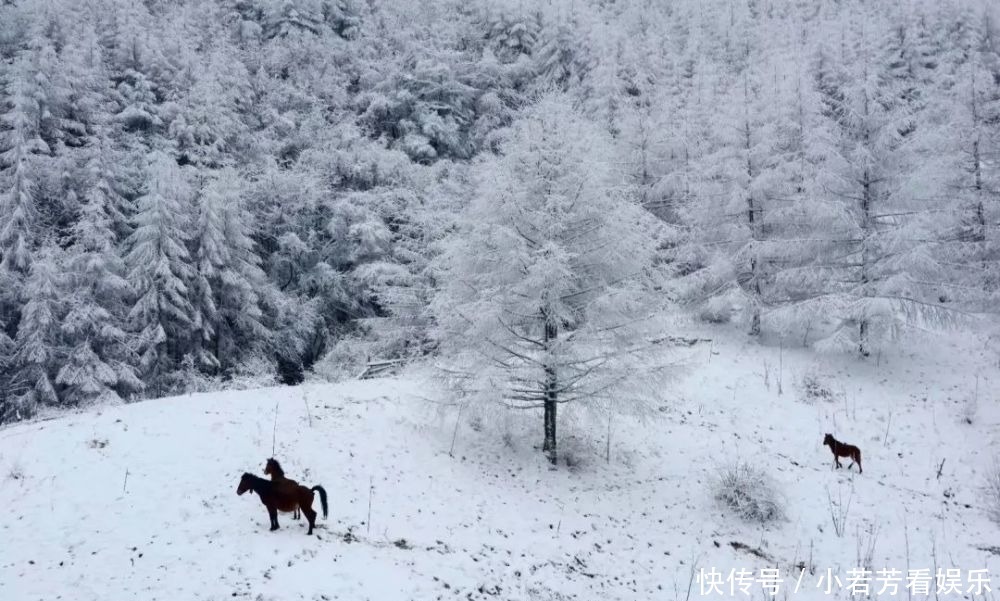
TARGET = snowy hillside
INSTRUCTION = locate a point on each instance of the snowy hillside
(639, 259)
(138, 501)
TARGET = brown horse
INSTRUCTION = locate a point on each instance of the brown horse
(273, 468)
(283, 496)
(841, 449)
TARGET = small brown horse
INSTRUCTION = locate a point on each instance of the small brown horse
(273, 468)
(283, 496)
(841, 449)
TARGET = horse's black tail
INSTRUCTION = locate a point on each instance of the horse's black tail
(322, 497)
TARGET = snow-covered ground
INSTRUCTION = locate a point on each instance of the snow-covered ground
(138, 501)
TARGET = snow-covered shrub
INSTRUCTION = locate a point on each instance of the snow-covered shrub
(814, 387)
(345, 359)
(189, 379)
(991, 492)
(256, 371)
(577, 452)
(970, 409)
(716, 310)
(750, 493)
(16, 472)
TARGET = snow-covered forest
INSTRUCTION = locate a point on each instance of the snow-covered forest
(197, 190)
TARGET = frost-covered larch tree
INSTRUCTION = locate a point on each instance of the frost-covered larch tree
(880, 270)
(100, 364)
(544, 293)
(208, 129)
(20, 141)
(228, 281)
(961, 145)
(159, 269)
(39, 348)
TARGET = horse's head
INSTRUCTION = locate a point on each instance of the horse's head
(273, 468)
(246, 483)
(828, 440)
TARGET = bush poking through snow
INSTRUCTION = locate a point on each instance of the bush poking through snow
(970, 409)
(750, 493)
(576, 453)
(15, 473)
(839, 510)
(717, 310)
(992, 492)
(813, 387)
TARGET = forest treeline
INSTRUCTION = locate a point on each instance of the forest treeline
(196, 189)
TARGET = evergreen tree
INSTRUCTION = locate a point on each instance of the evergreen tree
(543, 286)
(880, 275)
(208, 129)
(100, 364)
(39, 347)
(22, 138)
(229, 281)
(160, 271)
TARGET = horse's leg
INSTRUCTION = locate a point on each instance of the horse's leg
(273, 512)
(305, 502)
(311, 516)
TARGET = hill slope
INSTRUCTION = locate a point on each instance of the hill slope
(138, 501)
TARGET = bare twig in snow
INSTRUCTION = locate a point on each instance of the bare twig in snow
(274, 430)
(454, 434)
(305, 401)
(839, 510)
(888, 423)
(371, 493)
(906, 539)
(781, 354)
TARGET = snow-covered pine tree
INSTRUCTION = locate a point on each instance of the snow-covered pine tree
(100, 364)
(288, 17)
(958, 145)
(544, 297)
(19, 142)
(160, 271)
(130, 59)
(20, 128)
(39, 347)
(425, 108)
(800, 224)
(208, 129)
(228, 281)
(880, 271)
(733, 204)
(509, 28)
(562, 59)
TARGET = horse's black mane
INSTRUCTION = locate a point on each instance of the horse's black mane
(256, 482)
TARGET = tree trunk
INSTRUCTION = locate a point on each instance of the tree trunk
(551, 396)
(549, 446)
(863, 338)
(867, 231)
(751, 215)
(977, 168)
